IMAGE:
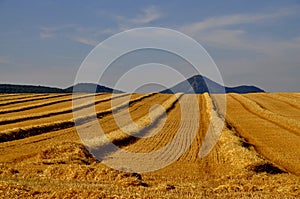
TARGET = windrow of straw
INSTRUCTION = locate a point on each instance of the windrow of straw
(57, 112)
(11, 97)
(35, 98)
(43, 104)
(126, 134)
(19, 133)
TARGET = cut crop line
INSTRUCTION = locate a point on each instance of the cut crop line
(29, 107)
(125, 135)
(18, 97)
(62, 111)
(287, 123)
(288, 100)
(34, 99)
(19, 133)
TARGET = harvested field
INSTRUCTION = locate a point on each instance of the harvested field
(256, 156)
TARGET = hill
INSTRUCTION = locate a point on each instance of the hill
(10, 88)
(82, 87)
(200, 84)
(90, 88)
(196, 84)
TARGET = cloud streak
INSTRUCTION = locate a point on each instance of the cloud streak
(221, 32)
(148, 15)
(93, 35)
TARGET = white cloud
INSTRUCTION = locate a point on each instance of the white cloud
(47, 32)
(93, 35)
(236, 19)
(86, 35)
(220, 32)
(46, 35)
(86, 41)
(150, 14)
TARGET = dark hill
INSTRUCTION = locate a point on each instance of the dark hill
(200, 84)
(90, 88)
(195, 84)
(10, 88)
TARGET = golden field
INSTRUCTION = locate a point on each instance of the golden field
(256, 156)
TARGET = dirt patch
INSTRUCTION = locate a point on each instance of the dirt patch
(265, 167)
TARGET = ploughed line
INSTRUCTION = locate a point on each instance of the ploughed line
(284, 122)
(20, 133)
(25, 108)
(34, 99)
(62, 111)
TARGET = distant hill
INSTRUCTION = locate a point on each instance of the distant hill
(10, 88)
(82, 88)
(90, 88)
(244, 89)
(200, 84)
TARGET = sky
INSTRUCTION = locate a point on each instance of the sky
(251, 42)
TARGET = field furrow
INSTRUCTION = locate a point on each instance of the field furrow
(276, 105)
(288, 98)
(256, 156)
(192, 155)
(182, 138)
(270, 139)
(13, 103)
(284, 122)
(61, 121)
(142, 122)
(11, 97)
(56, 110)
(46, 105)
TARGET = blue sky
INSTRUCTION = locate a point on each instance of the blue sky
(252, 42)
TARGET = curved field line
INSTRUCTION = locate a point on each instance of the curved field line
(287, 123)
(104, 105)
(126, 134)
(272, 141)
(169, 130)
(8, 94)
(57, 112)
(19, 133)
(32, 99)
(171, 143)
(283, 98)
(18, 96)
(177, 147)
(47, 103)
(191, 155)
(26, 98)
(275, 105)
(120, 119)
